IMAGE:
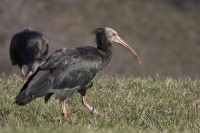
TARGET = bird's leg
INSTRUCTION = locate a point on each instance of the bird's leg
(29, 73)
(23, 72)
(64, 114)
(85, 103)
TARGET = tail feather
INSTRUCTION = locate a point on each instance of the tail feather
(23, 99)
(37, 85)
(47, 97)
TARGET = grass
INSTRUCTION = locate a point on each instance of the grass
(128, 104)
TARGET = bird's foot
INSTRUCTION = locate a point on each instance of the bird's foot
(94, 111)
(64, 115)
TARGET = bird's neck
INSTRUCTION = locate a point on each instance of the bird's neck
(105, 47)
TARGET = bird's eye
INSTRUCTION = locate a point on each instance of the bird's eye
(114, 34)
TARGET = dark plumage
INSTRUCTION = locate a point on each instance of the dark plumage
(29, 48)
(68, 71)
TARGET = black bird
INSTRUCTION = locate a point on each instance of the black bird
(68, 71)
(29, 48)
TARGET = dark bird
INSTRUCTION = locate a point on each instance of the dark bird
(68, 71)
(29, 48)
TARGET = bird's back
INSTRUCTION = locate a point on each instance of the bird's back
(75, 68)
(28, 46)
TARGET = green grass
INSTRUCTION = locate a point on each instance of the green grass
(128, 104)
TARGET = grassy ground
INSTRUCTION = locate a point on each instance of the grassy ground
(128, 104)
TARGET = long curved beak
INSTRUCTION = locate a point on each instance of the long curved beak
(123, 43)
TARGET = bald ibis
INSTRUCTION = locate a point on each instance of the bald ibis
(74, 70)
(29, 48)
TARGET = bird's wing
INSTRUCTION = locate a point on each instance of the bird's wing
(76, 69)
(53, 60)
(62, 58)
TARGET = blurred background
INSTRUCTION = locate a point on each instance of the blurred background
(164, 33)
